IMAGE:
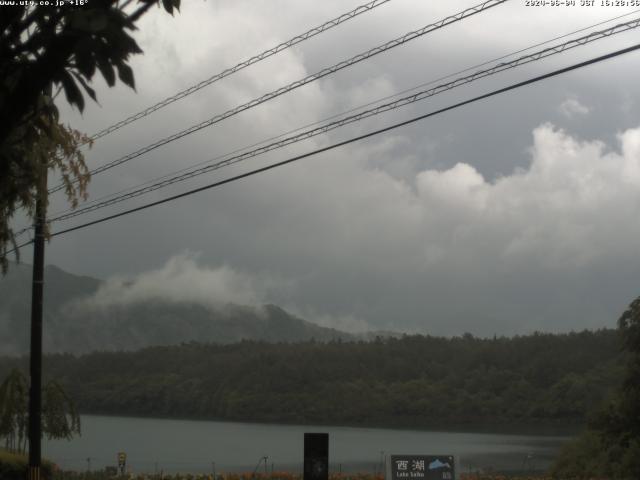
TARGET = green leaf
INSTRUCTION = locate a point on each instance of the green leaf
(84, 58)
(126, 74)
(71, 90)
(168, 6)
(107, 71)
(89, 20)
(90, 91)
(125, 44)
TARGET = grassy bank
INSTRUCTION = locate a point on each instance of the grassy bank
(274, 476)
(13, 466)
(282, 476)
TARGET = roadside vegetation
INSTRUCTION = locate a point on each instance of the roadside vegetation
(610, 446)
(62, 475)
(60, 418)
(13, 466)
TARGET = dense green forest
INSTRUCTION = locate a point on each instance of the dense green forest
(413, 381)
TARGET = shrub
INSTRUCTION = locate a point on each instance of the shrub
(13, 466)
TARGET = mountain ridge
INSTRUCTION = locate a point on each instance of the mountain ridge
(75, 323)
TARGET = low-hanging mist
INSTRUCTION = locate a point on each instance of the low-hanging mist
(180, 302)
(182, 280)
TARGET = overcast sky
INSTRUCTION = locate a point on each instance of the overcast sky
(514, 214)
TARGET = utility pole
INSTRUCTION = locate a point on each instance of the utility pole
(35, 365)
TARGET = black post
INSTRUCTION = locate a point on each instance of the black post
(316, 456)
(35, 389)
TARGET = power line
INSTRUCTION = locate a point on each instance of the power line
(19, 247)
(22, 231)
(299, 83)
(355, 139)
(361, 116)
(244, 64)
(326, 119)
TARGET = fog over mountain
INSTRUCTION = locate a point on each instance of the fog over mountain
(177, 303)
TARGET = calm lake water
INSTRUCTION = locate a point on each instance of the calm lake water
(191, 446)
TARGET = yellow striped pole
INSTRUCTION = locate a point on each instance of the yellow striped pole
(33, 473)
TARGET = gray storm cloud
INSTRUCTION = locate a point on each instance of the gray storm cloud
(506, 216)
(567, 214)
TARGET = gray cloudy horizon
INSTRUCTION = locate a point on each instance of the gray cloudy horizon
(507, 216)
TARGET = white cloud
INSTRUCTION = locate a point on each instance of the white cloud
(181, 279)
(349, 323)
(184, 279)
(572, 107)
(559, 212)
(360, 240)
(561, 208)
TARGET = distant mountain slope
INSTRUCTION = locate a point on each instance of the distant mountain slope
(75, 324)
(15, 301)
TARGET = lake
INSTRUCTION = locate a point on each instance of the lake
(173, 446)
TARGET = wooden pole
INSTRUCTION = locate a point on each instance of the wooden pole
(35, 388)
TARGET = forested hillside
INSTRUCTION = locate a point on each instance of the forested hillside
(77, 323)
(410, 381)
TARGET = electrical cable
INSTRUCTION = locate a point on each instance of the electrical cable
(326, 119)
(246, 63)
(299, 83)
(545, 53)
(355, 139)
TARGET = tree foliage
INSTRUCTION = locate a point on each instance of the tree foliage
(414, 381)
(60, 418)
(610, 447)
(45, 50)
(46, 144)
(13, 412)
